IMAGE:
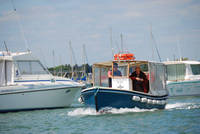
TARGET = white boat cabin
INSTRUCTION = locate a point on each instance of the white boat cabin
(183, 70)
(17, 67)
(103, 75)
(6, 69)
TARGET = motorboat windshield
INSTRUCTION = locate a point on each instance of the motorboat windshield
(30, 68)
(26, 64)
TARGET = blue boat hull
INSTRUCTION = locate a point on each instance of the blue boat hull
(100, 98)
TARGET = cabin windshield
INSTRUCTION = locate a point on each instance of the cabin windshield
(120, 69)
(176, 72)
(195, 69)
(30, 68)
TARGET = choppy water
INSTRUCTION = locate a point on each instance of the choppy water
(182, 115)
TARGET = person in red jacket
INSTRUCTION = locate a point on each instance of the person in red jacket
(139, 80)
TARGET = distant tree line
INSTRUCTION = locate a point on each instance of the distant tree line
(67, 68)
(182, 59)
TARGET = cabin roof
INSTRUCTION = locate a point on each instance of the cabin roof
(181, 62)
(5, 56)
(109, 63)
(25, 56)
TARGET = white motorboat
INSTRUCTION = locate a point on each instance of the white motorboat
(183, 78)
(25, 84)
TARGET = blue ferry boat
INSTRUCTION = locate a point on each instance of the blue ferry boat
(115, 86)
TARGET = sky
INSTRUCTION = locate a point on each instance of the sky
(44, 26)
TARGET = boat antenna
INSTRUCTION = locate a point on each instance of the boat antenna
(121, 36)
(20, 25)
(111, 42)
(5, 46)
(155, 43)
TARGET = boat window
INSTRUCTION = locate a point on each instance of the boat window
(101, 76)
(30, 67)
(143, 67)
(157, 78)
(104, 77)
(195, 69)
(120, 69)
(96, 76)
(176, 72)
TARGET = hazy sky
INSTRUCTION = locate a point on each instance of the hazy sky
(50, 24)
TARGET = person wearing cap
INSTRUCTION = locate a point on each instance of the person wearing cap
(139, 80)
(116, 72)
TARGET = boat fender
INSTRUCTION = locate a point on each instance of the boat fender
(136, 98)
(163, 102)
(144, 100)
(149, 101)
(158, 102)
(154, 102)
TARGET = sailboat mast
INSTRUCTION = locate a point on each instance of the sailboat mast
(154, 41)
(111, 43)
(85, 60)
(53, 53)
(72, 67)
(83, 56)
(122, 49)
(73, 58)
(5, 46)
(20, 26)
(179, 49)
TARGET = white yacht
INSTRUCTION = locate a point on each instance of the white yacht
(183, 78)
(25, 84)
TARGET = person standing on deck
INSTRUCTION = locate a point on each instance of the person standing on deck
(110, 78)
(139, 80)
(116, 72)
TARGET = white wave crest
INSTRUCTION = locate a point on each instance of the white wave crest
(83, 112)
(179, 105)
(90, 111)
(128, 110)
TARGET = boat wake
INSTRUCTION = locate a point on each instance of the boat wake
(91, 111)
(179, 105)
(82, 112)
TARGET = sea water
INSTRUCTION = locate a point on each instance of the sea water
(181, 116)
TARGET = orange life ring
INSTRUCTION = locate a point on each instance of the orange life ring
(128, 56)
